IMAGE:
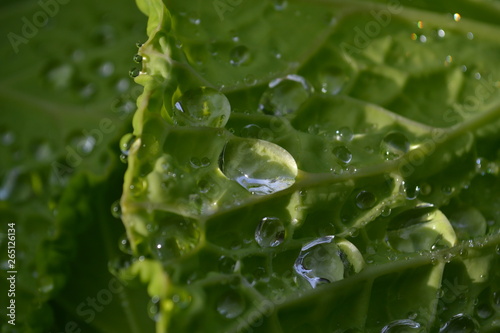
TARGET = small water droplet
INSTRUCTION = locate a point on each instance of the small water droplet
(227, 265)
(126, 143)
(259, 166)
(124, 245)
(82, 144)
(333, 80)
(106, 69)
(344, 134)
(365, 200)
(154, 308)
(410, 191)
(386, 211)
(402, 326)
(285, 95)
(116, 209)
(240, 55)
(251, 131)
(441, 33)
(343, 154)
(280, 5)
(231, 304)
(484, 311)
(394, 145)
(457, 17)
(42, 150)
(138, 58)
(138, 187)
(270, 232)
(460, 323)
(134, 72)
(202, 107)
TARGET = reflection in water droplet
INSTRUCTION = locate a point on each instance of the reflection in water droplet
(138, 58)
(402, 326)
(365, 200)
(321, 261)
(116, 209)
(460, 323)
(231, 305)
(259, 166)
(202, 107)
(343, 154)
(124, 245)
(394, 145)
(240, 56)
(270, 232)
(285, 95)
(134, 72)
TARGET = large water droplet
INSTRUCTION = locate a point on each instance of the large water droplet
(240, 56)
(202, 107)
(402, 326)
(270, 232)
(259, 166)
(231, 305)
(320, 262)
(343, 154)
(460, 323)
(365, 200)
(394, 145)
(285, 95)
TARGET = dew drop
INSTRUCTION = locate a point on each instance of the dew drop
(365, 200)
(484, 311)
(321, 261)
(106, 69)
(227, 265)
(251, 131)
(343, 154)
(411, 191)
(154, 308)
(124, 245)
(259, 166)
(138, 187)
(280, 5)
(202, 107)
(116, 209)
(285, 95)
(134, 72)
(270, 232)
(394, 145)
(83, 144)
(460, 323)
(42, 150)
(402, 326)
(333, 80)
(126, 143)
(457, 17)
(138, 58)
(441, 33)
(240, 56)
(344, 134)
(231, 305)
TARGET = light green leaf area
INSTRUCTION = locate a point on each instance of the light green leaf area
(352, 187)
(66, 98)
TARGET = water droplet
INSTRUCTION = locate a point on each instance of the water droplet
(441, 33)
(154, 308)
(134, 72)
(116, 209)
(468, 222)
(394, 145)
(285, 95)
(138, 187)
(457, 17)
(497, 249)
(343, 154)
(82, 144)
(126, 143)
(119, 264)
(386, 211)
(106, 69)
(42, 150)
(344, 134)
(496, 298)
(251, 131)
(333, 80)
(239, 56)
(365, 200)
(460, 323)
(484, 311)
(202, 107)
(259, 166)
(138, 58)
(227, 265)
(321, 261)
(446, 189)
(470, 35)
(270, 232)
(411, 191)
(402, 326)
(231, 305)
(280, 5)
(124, 245)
